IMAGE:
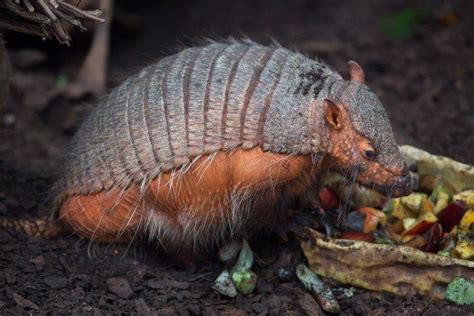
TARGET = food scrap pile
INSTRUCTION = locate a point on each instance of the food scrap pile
(438, 217)
(422, 243)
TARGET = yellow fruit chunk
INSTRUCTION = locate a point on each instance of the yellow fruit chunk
(464, 250)
(442, 202)
(372, 217)
(466, 196)
(413, 201)
(408, 222)
(422, 224)
(399, 210)
(426, 205)
(467, 220)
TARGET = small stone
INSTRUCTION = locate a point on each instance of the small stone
(163, 284)
(274, 302)
(263, 286)
(23, 302)
(120, 287)
(55, 282)
(166, 311)
(156, 284)
(142, 308)
(181, 310)
(209, 311)
(233, 312)
(285, 273)
(38, 261)
(309, 305)
(194, 309)
(260, 308)
(4, 237)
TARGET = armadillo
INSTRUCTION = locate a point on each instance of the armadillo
(219, 142)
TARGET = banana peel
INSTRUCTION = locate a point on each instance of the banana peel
(400, 270)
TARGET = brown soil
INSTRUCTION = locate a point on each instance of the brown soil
(425, 81)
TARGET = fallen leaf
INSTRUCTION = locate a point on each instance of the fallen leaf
(399, 270)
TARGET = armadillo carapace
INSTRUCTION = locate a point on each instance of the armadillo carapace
(219, 141)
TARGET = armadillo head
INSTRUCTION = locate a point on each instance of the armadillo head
(361, 138)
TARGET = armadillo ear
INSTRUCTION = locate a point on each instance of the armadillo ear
(356, 71)
(333, 114)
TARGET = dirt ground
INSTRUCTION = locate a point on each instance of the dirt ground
(425, 81)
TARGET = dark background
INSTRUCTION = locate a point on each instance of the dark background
(418, 57)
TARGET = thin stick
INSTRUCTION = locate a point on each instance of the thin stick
(45, 18)
(80, 12)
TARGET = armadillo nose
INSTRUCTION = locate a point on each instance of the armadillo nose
(403, 185)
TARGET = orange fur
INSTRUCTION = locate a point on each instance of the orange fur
(203, 189)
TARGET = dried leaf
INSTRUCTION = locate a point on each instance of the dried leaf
(459, 175)
(396, 269)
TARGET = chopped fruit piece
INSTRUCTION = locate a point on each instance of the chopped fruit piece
(443, 192)
(426, 205)
(328, 198)
(466, 196)
(245, 281)
(448, 243)
(243, 278)
(467, 221)
(442, 202)
(429, 182)
(372, 218)
(464, 250)
(390, 206)
(414, 241)
(382, 237)
(245, 259)
(356, 194)
(400, 211)
(362, 196)
(397, 226)
(357, 236)
(320, 290)
(408, 222)
(433, 237)
(413, 201)
(422, 224)
(452, 215)
(355, 222)
(223, 284)
(390, 233)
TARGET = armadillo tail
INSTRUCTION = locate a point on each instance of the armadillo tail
(42, 227)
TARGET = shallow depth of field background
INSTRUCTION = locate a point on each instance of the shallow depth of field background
(418, 57)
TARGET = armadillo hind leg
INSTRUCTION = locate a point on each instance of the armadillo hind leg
(111, 216)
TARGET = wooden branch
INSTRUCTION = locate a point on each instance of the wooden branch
(44, 18)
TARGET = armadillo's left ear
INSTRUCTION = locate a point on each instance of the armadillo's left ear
(356, 71)
(333, 114)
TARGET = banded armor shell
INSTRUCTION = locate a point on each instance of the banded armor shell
(200, 101)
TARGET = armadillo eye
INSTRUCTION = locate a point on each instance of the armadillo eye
(369, 153)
